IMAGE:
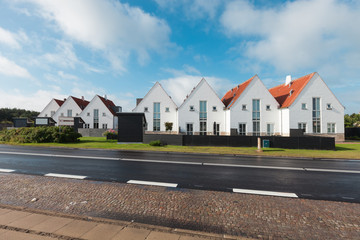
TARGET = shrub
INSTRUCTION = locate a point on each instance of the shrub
(156, 143)
(110, 134)
(168, 126)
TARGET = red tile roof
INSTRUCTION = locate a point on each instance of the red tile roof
(108, 103)
(282, 92)
(81, 103)
(59, 102)
(232, 95)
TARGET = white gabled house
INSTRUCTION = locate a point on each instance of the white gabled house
(158, 108)
(251, 109)
(307, 103)
(202, 112)
(51, 108)
(72, 107)
(99, 113)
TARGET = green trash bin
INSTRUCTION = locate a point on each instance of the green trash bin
(266, 143)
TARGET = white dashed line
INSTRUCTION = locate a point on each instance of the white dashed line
(64, 176)
(161, 184)
(252, 166)
(330, 170)
(6, 170)
(267, 193)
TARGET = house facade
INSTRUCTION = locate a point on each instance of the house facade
(51, 108)
(159, 109)
(100, 113)
(202, 112)
(71, 108)
(251, 109)
(307, 103)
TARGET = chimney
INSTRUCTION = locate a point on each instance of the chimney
(64, 99)
(288, 80)
(82, 98)
(105, 97)
(138, 100)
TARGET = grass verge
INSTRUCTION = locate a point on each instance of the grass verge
(350, 151)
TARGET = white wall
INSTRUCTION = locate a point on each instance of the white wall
(158, 94)
(203, 92)
(255, 90)
(96, 103)
(52, 106)
(285, 121)
(316, 87)
(68, 104)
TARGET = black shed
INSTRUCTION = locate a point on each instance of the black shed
(131, 127)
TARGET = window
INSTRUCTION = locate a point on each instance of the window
(189, 129)
(45, 115)
(69, 113)
(270, 129)
(191, 108)
(242, 129)
(52, 113)
(104, 126)
(104, 114)
(302, 126)
(167, 109)
(88, 114)
(62, 114)
(244, 107)
(316, 115)
(216, 131)
(331, 128)
(156, 122)
(203, 117)
(328, 106)
(303, 106)
(86, 125)
(256, 117)
(268, 108)
(146, 109)
(96, 118)
(214, 109)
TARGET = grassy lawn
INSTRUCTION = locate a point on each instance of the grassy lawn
(342, 150)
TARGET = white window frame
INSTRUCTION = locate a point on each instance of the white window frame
(146, 109)
(104, 125)
(268, 108)
(244, 107)
(191, 108)
(242, 133)
(214, 108)
(304, 106)
(167, 109)
(301, 125)
(272, 131)
(332, 127)
(328, 106)
(104, 114)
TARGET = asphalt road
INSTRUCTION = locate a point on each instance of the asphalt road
(335, 180)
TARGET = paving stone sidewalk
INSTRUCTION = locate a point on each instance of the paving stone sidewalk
(232, 214)
(17, 223)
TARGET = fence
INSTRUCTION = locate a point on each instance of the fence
(352, 132)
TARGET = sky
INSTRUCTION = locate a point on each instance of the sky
(120, 48)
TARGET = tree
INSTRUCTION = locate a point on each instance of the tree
(352, 120)
(7, 114)
(168, 126)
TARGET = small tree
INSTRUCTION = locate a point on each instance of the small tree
(168, 126)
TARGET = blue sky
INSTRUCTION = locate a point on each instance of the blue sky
(53, 49)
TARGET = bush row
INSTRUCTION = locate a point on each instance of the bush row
(40, 135)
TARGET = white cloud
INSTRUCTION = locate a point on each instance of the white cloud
(64, 55)
(112, 27)
(12, 39)
(10, 68)
(297, 35)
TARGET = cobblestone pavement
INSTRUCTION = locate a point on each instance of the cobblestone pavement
(243, 215)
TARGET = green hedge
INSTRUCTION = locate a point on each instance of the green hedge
(40, 135)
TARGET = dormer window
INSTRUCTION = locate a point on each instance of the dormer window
(268, 108)
(167, 109)
(192, 108)
(291, 92)
(244, 107)
(303, 106)
(146, 109)
(214, 109)
(328, 106)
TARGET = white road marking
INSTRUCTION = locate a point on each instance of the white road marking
(267, 193)
(162, 184)
(6, 170)
(64, 176)
(331, 170)
(253, 166)
(159, 161)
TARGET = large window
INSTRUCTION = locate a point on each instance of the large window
(96, 118)
(270, 129)
(189, 129)
(156, 122)
(331, 128)
(69, 113)
(203, 117)
(242, 129)
(316, 115)
(256, 116)
(216, 129)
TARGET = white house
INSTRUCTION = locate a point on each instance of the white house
(51, 108)
(158, 108)
(71, 108)
(202, 112)
(307, 103)
(99, 113)
(251, 109)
